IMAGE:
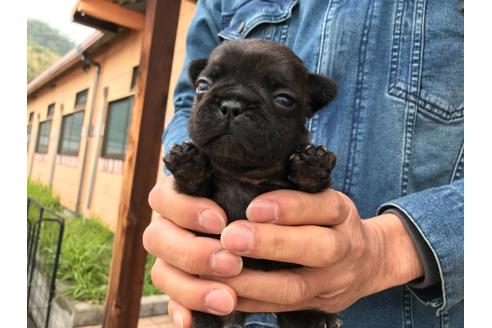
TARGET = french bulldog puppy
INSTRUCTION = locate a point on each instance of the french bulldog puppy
(248, 133)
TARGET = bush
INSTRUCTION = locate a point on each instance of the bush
(86, 251)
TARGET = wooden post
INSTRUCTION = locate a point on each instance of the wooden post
(141, 164)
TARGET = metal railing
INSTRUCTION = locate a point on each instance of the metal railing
(44, 239)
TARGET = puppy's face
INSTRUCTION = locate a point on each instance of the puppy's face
(252, 98)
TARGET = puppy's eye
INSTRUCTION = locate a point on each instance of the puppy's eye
(202, 86)
(284, 100)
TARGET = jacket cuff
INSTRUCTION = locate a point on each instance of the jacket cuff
(431, 269)
(437, 214)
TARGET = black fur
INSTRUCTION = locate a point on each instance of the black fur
(247, 128)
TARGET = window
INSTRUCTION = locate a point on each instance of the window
(43, 137)
(31, 116)
(117, 124)
(81, 99)
(133, 84)
(70, 134)
(51, 110)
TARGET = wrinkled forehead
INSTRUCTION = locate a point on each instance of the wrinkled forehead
(255, 60)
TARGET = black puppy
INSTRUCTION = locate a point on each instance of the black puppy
(248, 133)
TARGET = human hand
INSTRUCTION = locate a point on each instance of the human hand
(343, 258)
(364, 242)
(182, 256)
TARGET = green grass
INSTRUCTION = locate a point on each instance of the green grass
(86, 251)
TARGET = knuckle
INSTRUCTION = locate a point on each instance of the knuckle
(188, 262)
(338, 204)
(358, 248)
(279, 244)
(324, 248)
(347, 204)
(300, 293)
(345, 247)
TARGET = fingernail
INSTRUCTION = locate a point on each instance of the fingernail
(219, 301)
(178, 319)
(238, 238)
(211, 221)
(225, 263)
(262, 211)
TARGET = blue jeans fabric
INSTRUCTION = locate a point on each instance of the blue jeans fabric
(396, 123)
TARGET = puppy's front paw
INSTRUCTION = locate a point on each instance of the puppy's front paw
(189, 167)
(310, 168)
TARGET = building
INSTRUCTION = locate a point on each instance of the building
(79, 110)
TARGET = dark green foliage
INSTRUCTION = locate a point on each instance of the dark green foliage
(86, 252)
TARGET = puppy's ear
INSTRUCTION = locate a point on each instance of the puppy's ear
(195, 68)
(322, 91)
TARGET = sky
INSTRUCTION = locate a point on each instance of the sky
(57, 13)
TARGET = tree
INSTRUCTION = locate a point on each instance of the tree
(45, 45)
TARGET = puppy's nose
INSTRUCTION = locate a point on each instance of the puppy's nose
(231, 108)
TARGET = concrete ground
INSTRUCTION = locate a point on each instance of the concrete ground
(162, 321)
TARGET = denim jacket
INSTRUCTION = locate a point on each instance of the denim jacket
(396, 123)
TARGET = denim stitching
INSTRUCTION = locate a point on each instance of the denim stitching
(283, 33)
(269, 32)
(444, 320)
(413, 86)
(395, 48)
(358, 107)
(458, 168)
(312, 121)
(407, 308)
(326, 20)
(229, 33)
(429, 105)
(434, 109)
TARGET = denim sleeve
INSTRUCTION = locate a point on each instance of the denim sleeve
(200, 41)
(438, 215)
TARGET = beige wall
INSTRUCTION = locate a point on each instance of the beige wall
(117, 66)
(62, 93)
(117, 62)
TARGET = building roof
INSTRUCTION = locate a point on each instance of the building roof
(107, 31)
(71, 58)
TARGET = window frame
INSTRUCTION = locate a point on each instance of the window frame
(38, 139)
(51, 111)
(80, 106)
(61, 139)
(135, 75)
(106, 129)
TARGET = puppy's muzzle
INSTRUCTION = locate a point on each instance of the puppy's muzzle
(231, 109)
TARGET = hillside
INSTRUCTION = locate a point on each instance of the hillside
(45, 45)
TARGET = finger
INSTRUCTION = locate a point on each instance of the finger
(289, 207)
(311, 246)
(192, 292)
(195, 213)
(180, 315)
(252, 306)
(186, 251)
(285, 287)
